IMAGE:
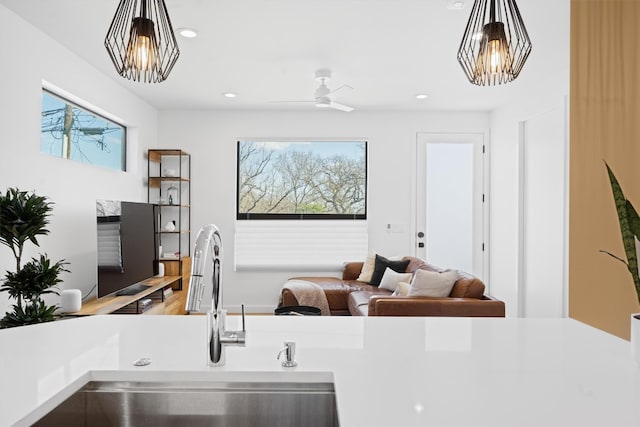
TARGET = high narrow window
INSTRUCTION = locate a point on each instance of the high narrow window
(75, 133)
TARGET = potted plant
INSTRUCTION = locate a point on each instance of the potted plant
(24, 217)
(630, 231)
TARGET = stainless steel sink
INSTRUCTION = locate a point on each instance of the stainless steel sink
(197, 403)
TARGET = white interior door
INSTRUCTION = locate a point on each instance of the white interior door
(450, 200)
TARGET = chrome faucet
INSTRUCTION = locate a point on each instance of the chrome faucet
(218, 337)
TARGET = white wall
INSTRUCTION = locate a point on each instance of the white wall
(29, 57)
(543, 216)
(210, 137)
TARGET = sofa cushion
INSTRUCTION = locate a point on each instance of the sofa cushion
(359, 301)
(402, 290)
(418, 264)
(432, 283)
(427, 306)
(390, 279)
(352, 270)
(368, 266)
(467, 286)
(382, 264)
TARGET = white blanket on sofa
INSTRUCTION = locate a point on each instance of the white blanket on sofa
(308, 293)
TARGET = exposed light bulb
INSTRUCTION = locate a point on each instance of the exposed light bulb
(493, 57)
(140, 53)
(142, 49)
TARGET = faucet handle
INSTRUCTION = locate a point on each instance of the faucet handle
(243, 329)
(237, 338)
(289, 351)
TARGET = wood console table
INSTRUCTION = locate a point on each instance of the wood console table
(173, 304)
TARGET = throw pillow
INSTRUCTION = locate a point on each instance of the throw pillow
(402, 290)
(367, 267)
(381, 265)
(433, 284)
(390, 279)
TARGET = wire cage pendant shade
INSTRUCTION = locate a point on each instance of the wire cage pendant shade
(141, 41)
(495, 44)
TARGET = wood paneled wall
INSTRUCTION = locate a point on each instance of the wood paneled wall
(604, 126)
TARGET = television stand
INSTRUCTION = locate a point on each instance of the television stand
(132, 290)
(151, 288)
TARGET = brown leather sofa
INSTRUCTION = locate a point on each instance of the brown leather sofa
(348, 296)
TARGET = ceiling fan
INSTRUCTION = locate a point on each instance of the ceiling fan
(323, 94)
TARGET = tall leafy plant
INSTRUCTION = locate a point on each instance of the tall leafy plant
(629, 229)
(23, 218)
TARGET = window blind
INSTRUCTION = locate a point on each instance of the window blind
(299, 245)
(109, 246)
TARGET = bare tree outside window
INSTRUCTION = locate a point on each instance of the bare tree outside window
(306, 179)
(71, 132)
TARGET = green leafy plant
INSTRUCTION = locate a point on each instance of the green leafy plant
(30, 314)
(24, 217)
(629, 228)
(37, 277)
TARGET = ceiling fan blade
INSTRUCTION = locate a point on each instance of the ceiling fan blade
(341, 87)
(290, 102)
(340, 107)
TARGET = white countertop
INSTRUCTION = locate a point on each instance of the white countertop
(387, 371)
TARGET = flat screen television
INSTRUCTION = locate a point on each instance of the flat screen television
(126, 241)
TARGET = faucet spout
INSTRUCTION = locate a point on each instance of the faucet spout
(208, 242)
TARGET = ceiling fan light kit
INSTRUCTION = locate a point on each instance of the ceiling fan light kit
(495, 44)
(323, 102)
(141, 41)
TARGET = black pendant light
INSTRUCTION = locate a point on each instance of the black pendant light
(495, 44)
(141, 42)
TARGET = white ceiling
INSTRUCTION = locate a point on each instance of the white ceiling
(268, 50)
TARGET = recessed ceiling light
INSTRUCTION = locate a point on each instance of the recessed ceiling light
(188, 33)
(422, 96)
(455, 5)
(230, 94)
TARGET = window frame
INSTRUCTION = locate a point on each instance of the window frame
(244, 216)
(89, 110)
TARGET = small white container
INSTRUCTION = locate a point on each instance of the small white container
(71, 300)
(160, 269)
